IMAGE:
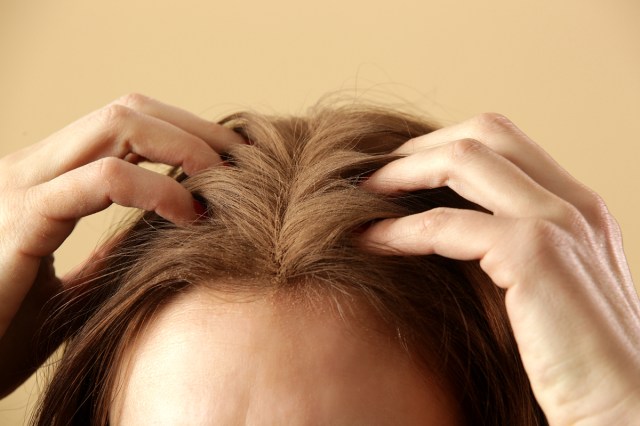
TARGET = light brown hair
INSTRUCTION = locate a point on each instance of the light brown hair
(281, 218)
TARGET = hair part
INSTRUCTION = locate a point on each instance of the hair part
(280, 220)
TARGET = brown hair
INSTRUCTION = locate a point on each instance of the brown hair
(281, 218)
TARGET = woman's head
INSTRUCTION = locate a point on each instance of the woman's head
(273, 288)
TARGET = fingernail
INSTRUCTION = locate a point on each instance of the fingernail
(199, 208)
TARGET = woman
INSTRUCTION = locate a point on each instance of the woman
(288, 286)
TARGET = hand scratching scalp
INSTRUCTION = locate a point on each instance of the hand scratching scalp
(280, 221)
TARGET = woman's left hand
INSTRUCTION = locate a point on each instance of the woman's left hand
(550, 242)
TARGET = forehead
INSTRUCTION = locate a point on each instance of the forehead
(208, 360)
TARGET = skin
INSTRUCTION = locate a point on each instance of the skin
(206, 361)
(80, 170)
(550, 242)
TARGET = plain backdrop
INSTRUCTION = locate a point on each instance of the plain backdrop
(568, 73)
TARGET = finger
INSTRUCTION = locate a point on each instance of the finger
(472, 170)
(454, 233)
(94, 187)
(505, 138)
(118, 132)
(220, 138)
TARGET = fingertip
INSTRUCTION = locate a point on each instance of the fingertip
(199, 208)
(243, 138)
(379, 180)
(372, 183)
(366, 243)
(240, 136)
(225, 138)
(366, 236)
(197, 213)
(177, 205)
(185, 221)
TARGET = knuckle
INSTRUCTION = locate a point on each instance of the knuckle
(499, 266)
(493, 122)
(119, 126)
(464, 149)
(540, 228)
(597, 207)
(109, 168)
(432, 219)
(543, 236)
(611, 227)
(600, 216)
(133, 100)
(114, 114)
(569, 216)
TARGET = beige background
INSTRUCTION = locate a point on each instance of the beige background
(567, 72)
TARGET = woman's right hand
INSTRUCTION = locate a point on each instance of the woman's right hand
(80, 170)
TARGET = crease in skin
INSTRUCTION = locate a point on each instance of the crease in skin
(213, 360)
